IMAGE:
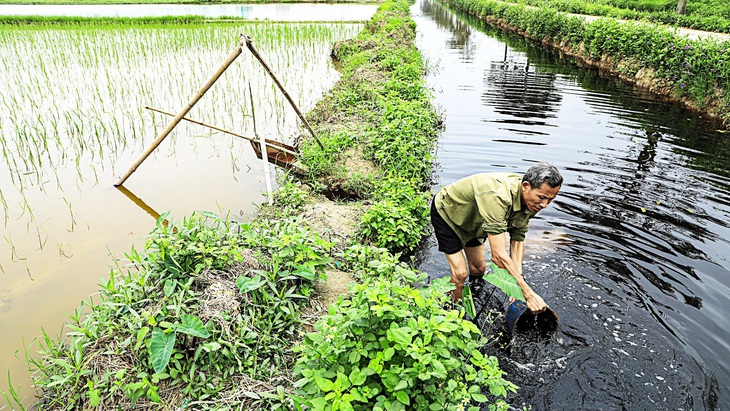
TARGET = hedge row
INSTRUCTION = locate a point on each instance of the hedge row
(694, 69)
(392, 125)
(700, 17)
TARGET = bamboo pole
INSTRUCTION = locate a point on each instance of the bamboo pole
(267, 171)
(175, 121)
(256, 54)
(264, 150)
(222, 130)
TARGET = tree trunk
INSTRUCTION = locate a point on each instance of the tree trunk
(682, 7)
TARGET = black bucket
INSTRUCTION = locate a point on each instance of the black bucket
(520, 319)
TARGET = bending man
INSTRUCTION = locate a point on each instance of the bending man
(488, 206)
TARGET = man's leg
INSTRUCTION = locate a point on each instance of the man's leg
(459, 272)
(476, 259)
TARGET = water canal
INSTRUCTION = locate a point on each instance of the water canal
(633, 255)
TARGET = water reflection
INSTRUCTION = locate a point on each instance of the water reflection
(524, 97)
(633, 255)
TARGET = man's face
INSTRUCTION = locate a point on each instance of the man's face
(536, 199)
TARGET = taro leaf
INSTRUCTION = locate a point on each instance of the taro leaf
(246, 284)
(161, 349)
(170, 287)
(468, 301)
(192, 325)
(502, 279)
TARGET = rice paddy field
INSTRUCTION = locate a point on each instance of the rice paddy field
(73, 120)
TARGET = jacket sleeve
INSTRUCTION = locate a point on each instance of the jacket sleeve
(493, 211)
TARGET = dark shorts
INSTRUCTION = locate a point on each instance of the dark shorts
(448, 241)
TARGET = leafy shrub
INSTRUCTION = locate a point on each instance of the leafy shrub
(399, 216)
(289, 196)
(391, 346)
(709, 15)
(161, 332)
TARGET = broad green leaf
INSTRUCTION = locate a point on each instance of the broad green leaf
(141, 334)
(318, 404)
(170, 287)
(479, 397)
(192, 325)
(502, 279)
(211, 346)
(388, 353)
(468, 301)
(401, 335)
(402, 396)
(161, 349)
(357, 377)
(305, 272)
(341, 383)
(324, 384)
(346, 406)
(246, 284)
(94, 397)
(208, 214)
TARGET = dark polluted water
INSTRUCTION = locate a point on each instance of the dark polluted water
(632, 255)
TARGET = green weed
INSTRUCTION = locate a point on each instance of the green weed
(390, 346)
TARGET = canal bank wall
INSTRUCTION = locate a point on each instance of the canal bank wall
(673, 65)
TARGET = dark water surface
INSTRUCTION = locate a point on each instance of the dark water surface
(633, 254)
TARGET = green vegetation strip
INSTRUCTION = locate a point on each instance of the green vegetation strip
(211, 314)
(697, 71)
(35, 21)
(709, 15)
(379, 129)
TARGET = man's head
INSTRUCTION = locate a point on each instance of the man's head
(540, 185)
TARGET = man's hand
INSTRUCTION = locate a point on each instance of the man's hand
(535, 303)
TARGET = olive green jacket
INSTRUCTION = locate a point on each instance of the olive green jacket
(485, 203)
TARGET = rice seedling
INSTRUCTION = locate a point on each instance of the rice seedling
(72, 100)
(72, 118)
(102, 118)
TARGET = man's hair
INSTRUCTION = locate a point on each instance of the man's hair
(543, 173)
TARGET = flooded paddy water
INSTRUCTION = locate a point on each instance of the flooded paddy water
(275, 11)
(73, 120)
(632, 255)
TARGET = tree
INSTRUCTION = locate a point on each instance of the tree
(682, 7)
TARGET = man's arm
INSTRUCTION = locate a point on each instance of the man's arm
(512, 262)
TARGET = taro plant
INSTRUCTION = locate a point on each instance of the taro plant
(502, 279)
(392, 346)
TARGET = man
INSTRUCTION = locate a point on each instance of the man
(488, 206)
